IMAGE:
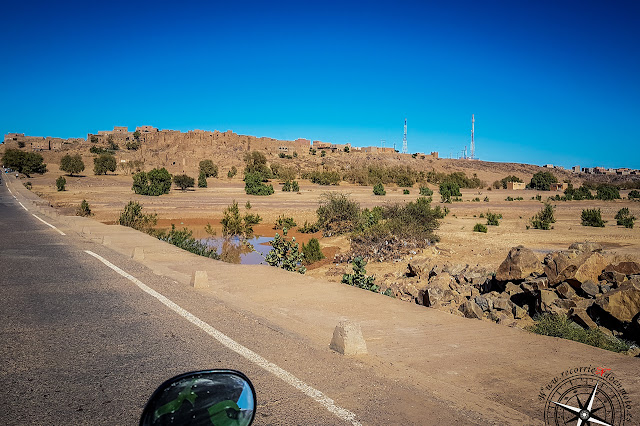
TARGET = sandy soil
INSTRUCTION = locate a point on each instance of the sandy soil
(107, 195)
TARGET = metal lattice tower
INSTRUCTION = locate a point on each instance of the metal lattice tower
(473, 144)
(404, 138)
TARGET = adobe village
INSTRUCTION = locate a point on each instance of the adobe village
(549, 250)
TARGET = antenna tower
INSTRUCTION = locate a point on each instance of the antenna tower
(473, 144)
(404, 138)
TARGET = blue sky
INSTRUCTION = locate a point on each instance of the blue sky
(548, 81)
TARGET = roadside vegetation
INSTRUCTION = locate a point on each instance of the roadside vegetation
(83, 209)
(23, 162)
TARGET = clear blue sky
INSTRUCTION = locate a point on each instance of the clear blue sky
(548, 81)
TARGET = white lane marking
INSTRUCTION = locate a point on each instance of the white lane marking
(48, 224)
(287, 377)
(23, 206)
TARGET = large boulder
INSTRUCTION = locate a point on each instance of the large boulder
(566, 291)
(586, 246)
(519, 264)
(624, 268)
(622, 303)
(590, 288)
(471, 310)
(574, 267)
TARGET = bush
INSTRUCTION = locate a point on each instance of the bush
(561, 326)
(449, 189)
(71, 164)
(99, 150)
(542, 181)
(607, 192)
(156, 182)
(285, 254)
(480, 228)
(83, 209)
(60, 183)
(184, 239)
(309, 228)
(253, 185)
(359, 277)
(208, 168)
(103, 164)
(378, 189)
(405, 192)
(291, 186)
(634, 195)
(231, 173)
(325, 178)
(133, 217)
(337, 214)
(24, 162)
(425, 191)
(592, 217)
(28, 185)
(202, 180)
(625, 218)
(582, 193)
(544, 218)
(133, 145)
(233, 224)
(284, 222)
(492, 218)
(183, 181)
(312, 252)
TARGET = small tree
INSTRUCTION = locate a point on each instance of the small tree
(425, 191)
(634, 195)
(507, 179)
(103, 164)
(133, 217)
(625, 218)
(71, 164)
(183, 182)
(480, 228)
(202, 180)
(136, 135)
(493, 219)
(208, 168)
(111, 145)
(544, 218)
(378, 189)
(253, 185)
(347, 149)
(542, 181)
(155, 182)
(449, 189)
(60, 183)
(359, 277)
(233, 224)
(83, 209)
(607, 192)
(312, 252)
(231, 173)
(592, 217)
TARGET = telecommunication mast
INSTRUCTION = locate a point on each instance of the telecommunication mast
(404, 138)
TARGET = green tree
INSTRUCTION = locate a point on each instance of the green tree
(347, 149)
(312, 252)
(136, 135)
(507, 179)
(625, 218)
(253, 185)
(83, 209)
(337, 214)
(480, 228)
(133, 217)
(202, 180)
(544, 218)
(234, 224)
(155, 182)
(183, 182)
(103, 164)
(60, 183)
(607, 192)
(449, 189)
(24, 162)
(208, 168)
(231, 173)
(256, 162)
(542, 181)
(592, 217)
(71, 164)
(378, 189)
(634, 194)
(111, 145)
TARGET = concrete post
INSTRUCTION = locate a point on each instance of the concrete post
(138, 253)
(347, 339)
(199, 279)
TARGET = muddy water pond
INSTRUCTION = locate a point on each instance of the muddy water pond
(246, 252)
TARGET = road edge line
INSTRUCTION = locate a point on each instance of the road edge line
(48, 224)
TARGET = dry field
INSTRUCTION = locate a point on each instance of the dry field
(107, 195)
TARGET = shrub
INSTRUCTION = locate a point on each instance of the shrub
(284, 222)
(425, 191)
(208, 168)
(544, 218)
(592, 217)
(359, 277)
(133, 145)
(309, 228)
(285, 254)
(71, 164)
(253, 185)
(83, 209)
(233, 224)
(582, 193)
(184, 239)
(378, 189)
(312, 252)
(99, 150)
(183, 182)
(486, 199)
(607, 192)
(133, 217)
(28, 185)
(323, 153)
(337, 214)
(480, 228)
(561, 326)
(155, 182)
(24, 162)
(406, 192)
(625, 218)
(104, 163)
(492, 218)
(325, 178)
(231, 173)
(291, 186)
(634, 195)
(449, 189)
(60, 183)
(404, 180)
(202, 180)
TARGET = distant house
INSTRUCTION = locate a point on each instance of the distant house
(561, 186)
(516, 185)
(575, 169)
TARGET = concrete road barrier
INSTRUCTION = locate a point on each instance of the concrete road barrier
(199, 279)
(347, 339)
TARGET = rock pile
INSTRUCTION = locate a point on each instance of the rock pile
(579, 283)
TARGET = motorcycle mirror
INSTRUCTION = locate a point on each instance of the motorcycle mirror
(210, 397)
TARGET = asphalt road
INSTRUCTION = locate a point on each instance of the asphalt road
(81, 344)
